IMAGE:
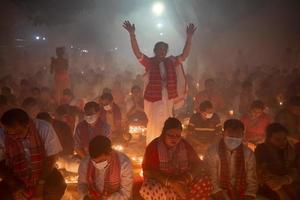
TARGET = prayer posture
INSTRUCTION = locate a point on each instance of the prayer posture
(28, 152)
(232, 165)
(204, 126)
(106, 174)
(90, 127)
(209, 93)
(111, 114)
(162, 86)
(172, 169)
(277, 165)
(256, 122)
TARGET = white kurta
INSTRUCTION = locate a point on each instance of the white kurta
(158, 112)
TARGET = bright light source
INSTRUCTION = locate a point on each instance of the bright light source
(158, 8)
(159, 25)
(84, 51)
(37, 37)
(161, 34)
(44, 38)
(116, 48)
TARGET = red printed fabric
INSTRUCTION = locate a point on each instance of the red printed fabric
(28, 172)
(153, 90)
(156, 157)
(255, 128)
(112, 180)
(234, 191)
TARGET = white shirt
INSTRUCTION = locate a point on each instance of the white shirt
(163, 74)
(126, 179)
(213, 160)
(48, 136)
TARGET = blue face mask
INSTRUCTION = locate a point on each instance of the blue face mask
(232, 142)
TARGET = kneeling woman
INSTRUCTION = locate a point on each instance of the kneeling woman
(172, 168)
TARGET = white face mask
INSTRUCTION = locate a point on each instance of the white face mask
(107, 108)
(232, 142)
(91, 119)
(209, 116)
(100, 165)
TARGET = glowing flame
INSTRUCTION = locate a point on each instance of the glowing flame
(231, 112)
(118, 147)
(137, 129)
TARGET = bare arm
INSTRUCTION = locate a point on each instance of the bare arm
(134, 45)
(188, 43)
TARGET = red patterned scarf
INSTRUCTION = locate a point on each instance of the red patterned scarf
(112, 179)
(153, 90)
(28, 172)
(172, 160)
(234, 191)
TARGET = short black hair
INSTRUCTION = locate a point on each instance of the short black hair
(68, 92)
(29, 102)
(99, 145)
(171, 123)
(159, 44)
(13, 116)
(294, 101)
(233, 124)
(257, 104)
(91, 105)
(274, 128)
(107, 96)
(3, 100)
(44, 116)
(205, 105)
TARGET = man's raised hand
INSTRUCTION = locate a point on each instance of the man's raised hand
(129, 27)
(190, 29)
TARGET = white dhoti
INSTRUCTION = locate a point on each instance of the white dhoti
(157, 112)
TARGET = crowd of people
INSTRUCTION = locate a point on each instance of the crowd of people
(243, 122)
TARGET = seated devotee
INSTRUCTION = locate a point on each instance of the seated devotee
(31, 106)
(135, 106)
(209, 94)
(28, 152)
(232, 165)
(91, 126)
(256, 122)
(289, 116)
(11, 98)
(105, 173)
(111, 114)
(204, 126)
(246, 97)
(276, 165)
(63, 132)
(69, 98)
(172, 168)
(68, 114)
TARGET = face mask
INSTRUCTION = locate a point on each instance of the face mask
(209, 116)
(107, 108)
(91, 119)
(100, 165)
(232, 143)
